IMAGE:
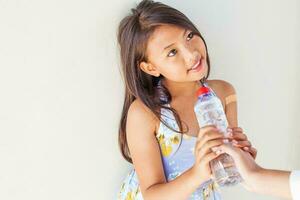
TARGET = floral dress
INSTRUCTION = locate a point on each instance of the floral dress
(177, 151)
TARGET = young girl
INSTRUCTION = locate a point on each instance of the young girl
(164, 62)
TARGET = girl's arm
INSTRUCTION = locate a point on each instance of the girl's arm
(145, 154)
(230, 102)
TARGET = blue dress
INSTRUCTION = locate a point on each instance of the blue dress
(177, 152)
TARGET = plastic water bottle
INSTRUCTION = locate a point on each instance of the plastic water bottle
(209, 111)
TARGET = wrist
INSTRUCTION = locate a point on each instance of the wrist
(195, 178)
(254, 178)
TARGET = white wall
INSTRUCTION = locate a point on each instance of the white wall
(61, 93)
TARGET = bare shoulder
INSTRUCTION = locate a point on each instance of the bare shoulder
(141, 116)
(221, 87)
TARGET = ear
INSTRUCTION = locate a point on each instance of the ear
(149, 69)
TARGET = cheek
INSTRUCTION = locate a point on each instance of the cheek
(199, 44)
(175, 71)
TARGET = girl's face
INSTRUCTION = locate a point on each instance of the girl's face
(172, 52)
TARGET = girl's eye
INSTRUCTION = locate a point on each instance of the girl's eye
(172, 51)
(191, 35)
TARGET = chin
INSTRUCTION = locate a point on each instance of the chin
(199, 75)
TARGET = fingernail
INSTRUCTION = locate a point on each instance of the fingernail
(225, 140)
(234, 142)
(246, 148)
(219, 152)
(214, 149)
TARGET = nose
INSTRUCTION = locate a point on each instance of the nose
(191, 57)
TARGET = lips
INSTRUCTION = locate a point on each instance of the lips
(198, 66)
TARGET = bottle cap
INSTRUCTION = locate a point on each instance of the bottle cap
(202, 90)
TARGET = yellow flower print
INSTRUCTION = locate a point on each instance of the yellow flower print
(215, 186)
(208, 190)
(175, 139)
(161, 138)
(129, 196)
(165, 148)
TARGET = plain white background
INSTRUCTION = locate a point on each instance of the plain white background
(61, 93)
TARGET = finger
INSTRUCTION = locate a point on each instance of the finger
(209, 157)
(209, 136)
(241, 144)
(205, 129)
(229, 149)
(209, 147)
(238, 136)
(237, 129)
(252, 151)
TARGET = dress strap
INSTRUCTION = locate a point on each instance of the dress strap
(205, 84)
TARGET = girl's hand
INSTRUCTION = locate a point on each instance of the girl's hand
(208, 141)
(239, 139)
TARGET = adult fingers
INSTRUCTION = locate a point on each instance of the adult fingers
(238, 135)
(241, 144)
(252, 151)
(236, 129)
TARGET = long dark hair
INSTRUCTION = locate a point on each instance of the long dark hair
(133, 34)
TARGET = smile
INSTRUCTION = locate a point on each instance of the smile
(198, 66)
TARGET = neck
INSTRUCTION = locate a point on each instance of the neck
(182, 89)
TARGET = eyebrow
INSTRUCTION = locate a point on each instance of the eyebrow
(174, 43)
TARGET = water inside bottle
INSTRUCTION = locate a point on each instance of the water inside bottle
(224, 171)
